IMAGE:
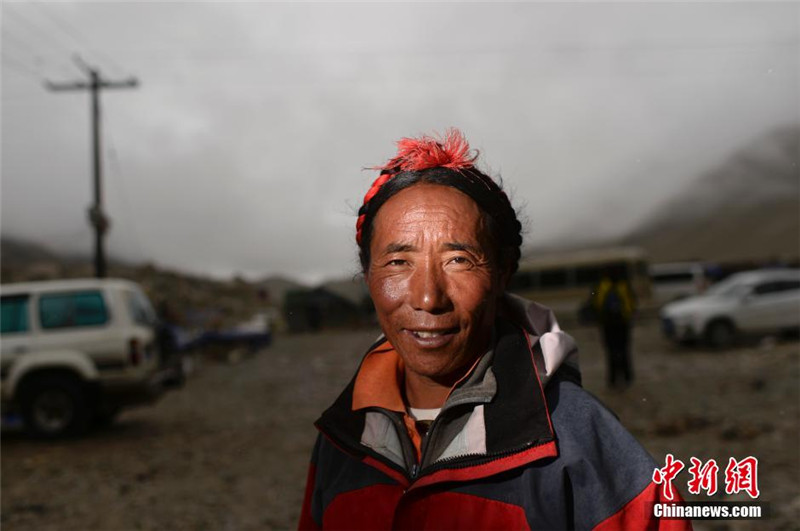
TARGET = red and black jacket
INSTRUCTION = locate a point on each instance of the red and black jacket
(550, 457)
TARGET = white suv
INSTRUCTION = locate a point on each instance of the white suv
(74, 351)
(754, 302)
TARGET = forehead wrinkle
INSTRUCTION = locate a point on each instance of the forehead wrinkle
(443, 218)
(461, 246)
(399, 248)
(454, 235)
(454, 223)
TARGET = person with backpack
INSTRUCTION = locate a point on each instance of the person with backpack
(614, 305)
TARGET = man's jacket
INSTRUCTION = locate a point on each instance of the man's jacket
(517, 445)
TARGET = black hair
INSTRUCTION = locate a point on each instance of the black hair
(501, 218)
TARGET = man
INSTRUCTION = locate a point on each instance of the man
(468, 412)
(615, 306)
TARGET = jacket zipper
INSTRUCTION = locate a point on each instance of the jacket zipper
(476, 459)
(402, 433)
(415, 472)
(427, 438)
(469, 459)
(431, 430)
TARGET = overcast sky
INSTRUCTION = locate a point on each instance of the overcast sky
(242, 150)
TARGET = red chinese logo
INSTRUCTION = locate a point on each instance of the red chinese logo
(664, 476)
(742, 476)
(704, 476)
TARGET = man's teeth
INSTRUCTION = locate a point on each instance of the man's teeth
(424, 335)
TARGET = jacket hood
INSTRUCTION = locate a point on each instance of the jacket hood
(558, 349)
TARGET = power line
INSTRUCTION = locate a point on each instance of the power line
(65, 29)
(76, 35)
(14, 38)
(39, 60)
(36, 29)
(21, 67)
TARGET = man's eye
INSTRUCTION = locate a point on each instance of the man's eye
(461, 260)
(396, 262)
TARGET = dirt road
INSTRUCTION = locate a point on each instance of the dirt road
(229, 451)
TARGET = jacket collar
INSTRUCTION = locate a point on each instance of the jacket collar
(379, 380)
(507, 386)
(558, 351)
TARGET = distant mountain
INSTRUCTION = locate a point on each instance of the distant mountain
(748, 207)
(24, 260)
(218, 303)
(277, 287)
(15, 252)
(353, 289)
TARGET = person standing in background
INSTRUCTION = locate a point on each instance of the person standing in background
(614, 306)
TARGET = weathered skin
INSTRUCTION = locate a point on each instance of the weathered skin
(432, 269)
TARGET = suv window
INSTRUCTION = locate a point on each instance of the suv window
(83, 308)
(14, 316)
(141, 311)
(777, 286)
(789, 285)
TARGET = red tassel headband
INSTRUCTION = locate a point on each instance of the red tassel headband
(417, 154)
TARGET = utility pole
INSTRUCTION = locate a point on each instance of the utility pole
(97, 218)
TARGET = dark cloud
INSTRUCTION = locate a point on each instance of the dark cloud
(244, 147)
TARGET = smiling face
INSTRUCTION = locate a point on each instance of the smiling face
(433, 279)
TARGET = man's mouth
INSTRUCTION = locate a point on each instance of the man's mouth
(427, 334)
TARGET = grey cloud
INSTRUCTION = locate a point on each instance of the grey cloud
(244, 147)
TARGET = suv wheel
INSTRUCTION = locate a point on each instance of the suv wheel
(54, 405)
(720, 334)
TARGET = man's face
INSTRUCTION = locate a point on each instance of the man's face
(433, 280)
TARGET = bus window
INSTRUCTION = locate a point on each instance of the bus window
(587, 275)
(521, 280)
(553, 278)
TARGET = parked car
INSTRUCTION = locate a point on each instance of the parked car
(77, 351)
(749, 303)
(672, 281)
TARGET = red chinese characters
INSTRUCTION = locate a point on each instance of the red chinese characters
(704, 476)
(742, 476)
(664, 476)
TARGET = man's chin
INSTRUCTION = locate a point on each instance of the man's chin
(439, 373)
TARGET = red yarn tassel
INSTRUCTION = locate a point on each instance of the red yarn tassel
(415, 154)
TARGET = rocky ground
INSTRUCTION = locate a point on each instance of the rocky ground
(229, 451)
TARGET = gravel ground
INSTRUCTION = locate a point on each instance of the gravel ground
(229, 451)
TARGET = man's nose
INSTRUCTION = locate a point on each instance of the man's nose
(428, 290)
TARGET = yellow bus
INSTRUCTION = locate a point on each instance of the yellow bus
(563, 280)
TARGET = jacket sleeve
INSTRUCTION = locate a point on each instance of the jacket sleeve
(637, 514)
(307, 521)
(609, 474)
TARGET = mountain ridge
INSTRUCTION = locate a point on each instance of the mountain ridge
(746, 207)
